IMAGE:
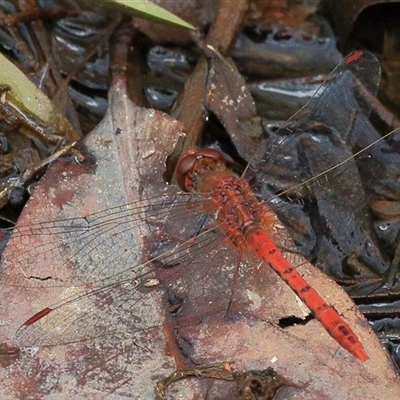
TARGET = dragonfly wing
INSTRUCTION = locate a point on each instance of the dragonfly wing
(91, 248)
(128, 301)
(311, 162)
(342, 101)
(96, 313)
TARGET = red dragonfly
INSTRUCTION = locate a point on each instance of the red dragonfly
(222, 209)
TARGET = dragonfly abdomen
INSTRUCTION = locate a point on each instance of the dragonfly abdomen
(261, 243)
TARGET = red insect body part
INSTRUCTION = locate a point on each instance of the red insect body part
(260, 242)
(354, 56)
(185, 174)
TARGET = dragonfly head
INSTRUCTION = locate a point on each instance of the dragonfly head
(195, 163)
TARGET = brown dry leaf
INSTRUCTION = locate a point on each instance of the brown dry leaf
(117, 176)
(227, 96)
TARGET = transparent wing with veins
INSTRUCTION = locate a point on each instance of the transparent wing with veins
(124, 300)
(338, 112)
(90, 248)
(315, 158)
(96, 303)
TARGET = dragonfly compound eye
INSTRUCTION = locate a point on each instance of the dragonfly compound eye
(185, 168)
